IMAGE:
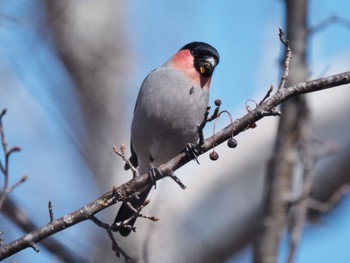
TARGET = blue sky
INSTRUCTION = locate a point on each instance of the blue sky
(244, 32)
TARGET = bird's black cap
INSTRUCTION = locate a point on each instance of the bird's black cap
(202, 49)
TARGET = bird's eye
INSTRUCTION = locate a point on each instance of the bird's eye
(194, 53)
(202, 70)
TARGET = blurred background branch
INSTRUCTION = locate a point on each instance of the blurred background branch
(285, 157)
(88, 38)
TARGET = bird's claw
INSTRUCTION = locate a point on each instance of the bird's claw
(153, 172)
(192, 152)
(115, 227)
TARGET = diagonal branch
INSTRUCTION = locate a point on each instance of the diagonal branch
(122, 192)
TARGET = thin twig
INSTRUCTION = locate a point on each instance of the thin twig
(115, 247)
(122, 154)
(287, 59)
(177, 180)
(299, 210)
(34, 247)
(52, 217)
(324, 207)
(201, 126)
(324, 149)
(207, 119)
(137, 212)
(21, 181)
(267, 95)
(1, 239)
(332, 20)
(5, 167)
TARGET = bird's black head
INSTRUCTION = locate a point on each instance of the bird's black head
(206, 57)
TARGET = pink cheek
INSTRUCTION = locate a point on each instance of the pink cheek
(183, 61)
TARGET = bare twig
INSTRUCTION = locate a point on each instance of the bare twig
(4, 168)
(22, 180)
(324, 207)
(115, 247)
(287, 59)
(324, 149)
(299, 210)
(332, 20)
(124, 191)
(136, 213)
(308, 158)
(201, 126)
(34, 247)
(1, 239)
(52, 217)
(267, 95)
(122, 154)
(177, 180)
(207, 119)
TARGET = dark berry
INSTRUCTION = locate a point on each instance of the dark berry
(214, 156)
(232, 143)
(217, 102)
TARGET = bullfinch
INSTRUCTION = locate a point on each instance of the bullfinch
(170, 105)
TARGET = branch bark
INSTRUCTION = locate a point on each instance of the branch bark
(126, 190)
(18, 217)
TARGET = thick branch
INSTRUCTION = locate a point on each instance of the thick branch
(131, 187)
(279, 175)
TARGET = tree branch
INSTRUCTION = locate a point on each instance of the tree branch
(4, 168)
(281, 167)
(18, 217)
(124, 191)
(332, 20)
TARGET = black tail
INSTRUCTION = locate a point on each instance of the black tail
(125, 212)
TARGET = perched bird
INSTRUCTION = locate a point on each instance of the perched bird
(170, 105)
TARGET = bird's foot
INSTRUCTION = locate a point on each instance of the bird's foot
(192, 152)
(153, 173)
(117, 226)
(128, 222)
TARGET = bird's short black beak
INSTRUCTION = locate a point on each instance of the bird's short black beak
(206, 65)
